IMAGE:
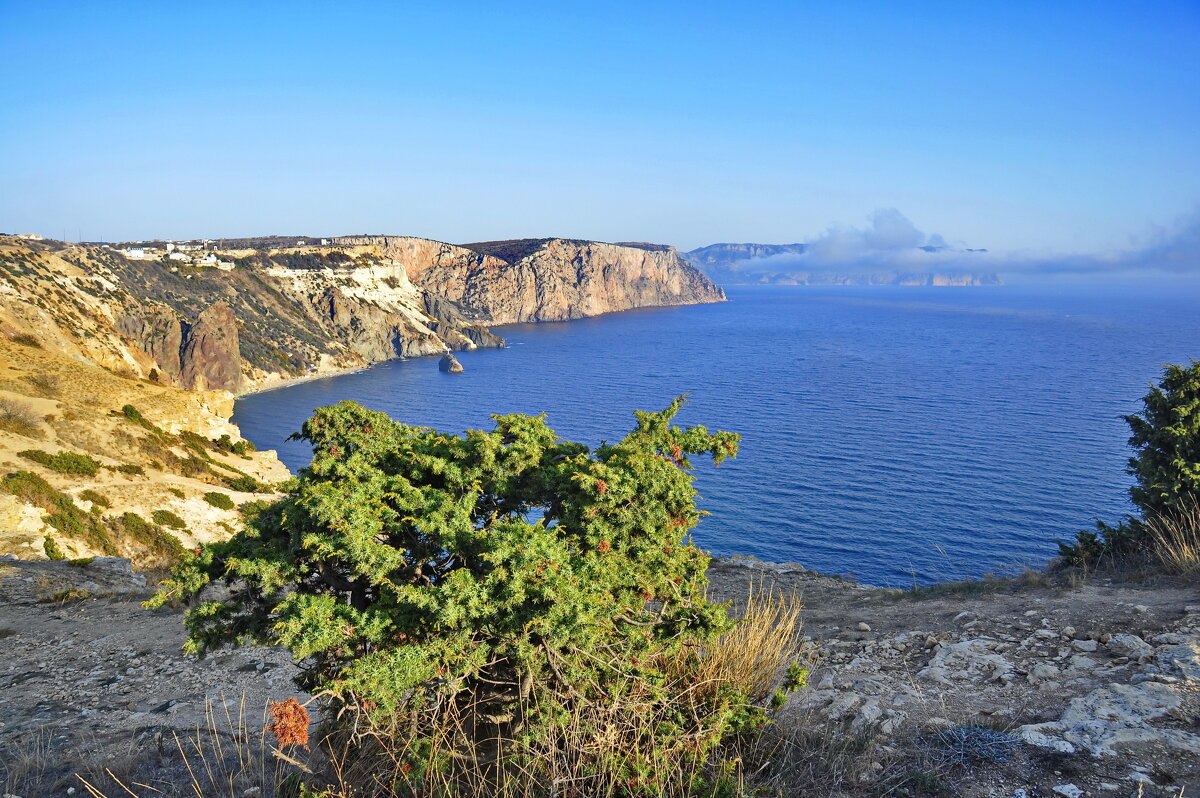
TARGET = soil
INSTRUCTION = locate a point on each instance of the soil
(938, 688)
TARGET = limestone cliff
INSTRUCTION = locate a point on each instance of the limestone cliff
(553, 279)
(255, 313)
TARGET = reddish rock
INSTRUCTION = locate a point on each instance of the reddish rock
(211, 358)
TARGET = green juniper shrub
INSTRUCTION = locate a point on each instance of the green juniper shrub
(62, 512)
(1165, 466)
(64, 462)
(219, 500)
(243, 484)
(254, 508)
(97, 499)
(168, 519)
(130, 468)
(526, 586)
(53, 552)
(176, 492)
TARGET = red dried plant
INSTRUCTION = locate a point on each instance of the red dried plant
(289, 722)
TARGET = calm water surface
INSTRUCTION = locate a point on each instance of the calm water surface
(896, 434)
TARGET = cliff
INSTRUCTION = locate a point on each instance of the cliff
(550, 279)
(784, 264)
(254, 313)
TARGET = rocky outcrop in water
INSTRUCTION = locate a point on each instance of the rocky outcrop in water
(449, 364)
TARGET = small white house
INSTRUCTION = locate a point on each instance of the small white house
(179, 256)
(135, 253)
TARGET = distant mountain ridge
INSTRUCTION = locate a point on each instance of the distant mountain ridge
(782, 264)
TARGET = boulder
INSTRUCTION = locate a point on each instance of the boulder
(449, 364)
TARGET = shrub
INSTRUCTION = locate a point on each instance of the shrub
(168, 519)
(46, 384)
(63, 513)
(219, 500)
(176, 492)
(1165, 466)
(130, 468)
(243, 484)
(26, 340)
(53, 552)
(134, 415)
(151, 537)
(97, 499)
(503, 597)
(1166, 442)
(64, 462)
(18, 417)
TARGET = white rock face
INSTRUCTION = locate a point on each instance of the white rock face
(968, 660)
(1114, 716)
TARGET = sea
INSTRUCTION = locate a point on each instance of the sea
(896, 435)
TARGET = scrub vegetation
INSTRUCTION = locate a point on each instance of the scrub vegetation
(502, 613)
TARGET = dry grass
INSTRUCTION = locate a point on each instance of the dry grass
(18, 417)
(768, 639)
(1175, 536)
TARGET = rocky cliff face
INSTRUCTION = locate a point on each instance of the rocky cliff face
(273, 313)
(211, 358)
(554, 279)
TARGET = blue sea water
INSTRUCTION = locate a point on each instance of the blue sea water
(894, 434)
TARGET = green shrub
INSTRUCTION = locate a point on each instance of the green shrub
(97, 499)
(62, 512)
(503, 597)
(253, 509)
(130, 468)
(134, 415)
(244, 484)
(168, 519)
(64, 462)
(1165, 466)
(219, 500)
(151, 537)
(53, 552)
(176, 492)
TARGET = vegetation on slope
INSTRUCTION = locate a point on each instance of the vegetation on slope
(1166, 468)
(502, 612)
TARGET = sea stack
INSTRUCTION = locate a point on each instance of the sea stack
(449, 364)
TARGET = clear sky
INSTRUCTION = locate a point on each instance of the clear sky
(1061, 126)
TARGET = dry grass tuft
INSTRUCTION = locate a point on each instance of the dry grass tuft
(1175, 536)
(18, 417)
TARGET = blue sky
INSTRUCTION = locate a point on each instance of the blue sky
(1069, 127)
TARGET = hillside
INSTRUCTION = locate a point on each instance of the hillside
(118, 365)
(81, 448)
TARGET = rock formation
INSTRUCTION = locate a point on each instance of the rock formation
(211, 359)
(449, 364)
(553, 279)
(274, 310)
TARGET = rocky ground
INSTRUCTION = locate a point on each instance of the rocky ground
(1032, 687)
